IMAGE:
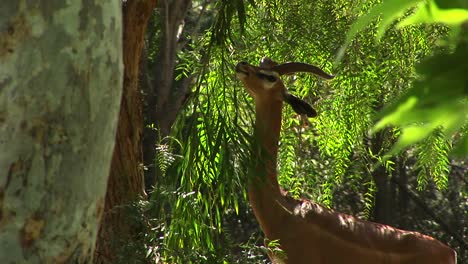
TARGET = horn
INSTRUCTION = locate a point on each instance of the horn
(267, 63)
(292, 67)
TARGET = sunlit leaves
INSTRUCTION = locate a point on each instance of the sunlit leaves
(438, 100)
(388, 11)
(287, 164)
(428, 12)
(210, 175)
(275, 247)
(316, 155)
(433, 160)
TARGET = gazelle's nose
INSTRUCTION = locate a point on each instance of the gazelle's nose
(242, 67)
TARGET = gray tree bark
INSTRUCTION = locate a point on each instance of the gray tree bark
(60, 88)
(118, 234)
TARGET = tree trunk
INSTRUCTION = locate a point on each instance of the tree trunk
(126, 176)
(403, 197)
(60, 88)
(383, 197)
(165, 96)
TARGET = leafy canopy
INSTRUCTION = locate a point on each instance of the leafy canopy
(439, 98)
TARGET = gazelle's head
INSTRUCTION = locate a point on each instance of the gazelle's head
(264, 83)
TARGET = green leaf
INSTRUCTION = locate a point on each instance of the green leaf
(462, 147)
(388, 10)
(410, 135)
(430, 13)
(396, 117)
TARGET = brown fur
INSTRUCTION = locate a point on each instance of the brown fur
(308, 232)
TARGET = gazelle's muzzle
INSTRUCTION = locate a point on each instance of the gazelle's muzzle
(242, 68)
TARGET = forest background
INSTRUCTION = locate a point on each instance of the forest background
(389, 144)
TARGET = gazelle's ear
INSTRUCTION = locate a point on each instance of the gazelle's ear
(300, 106)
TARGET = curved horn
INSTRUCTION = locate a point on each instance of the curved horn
(291, 67)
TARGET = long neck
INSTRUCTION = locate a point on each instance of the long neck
(267, 133)
(264, 191)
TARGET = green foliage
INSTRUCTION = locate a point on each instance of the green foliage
(288, 166)
(429, 12)
(433, 160)
(275, 247)
(164, 157)
(222, 29)
(208, 174)
(206, 166)
(439, 99)
(217, 127)
(369, 198)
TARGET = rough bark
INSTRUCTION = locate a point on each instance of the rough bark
(60, 88)
(125, 183)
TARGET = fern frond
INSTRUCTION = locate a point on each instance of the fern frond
(432, 160)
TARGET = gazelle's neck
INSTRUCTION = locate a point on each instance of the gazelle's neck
(263, 187)
(267, 132)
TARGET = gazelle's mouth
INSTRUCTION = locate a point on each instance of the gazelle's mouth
(240, 71)
(240, 68)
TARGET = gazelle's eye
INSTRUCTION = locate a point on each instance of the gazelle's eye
(267, 77)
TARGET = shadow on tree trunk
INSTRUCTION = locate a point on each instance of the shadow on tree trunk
(125, 183)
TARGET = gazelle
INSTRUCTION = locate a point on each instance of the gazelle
(306, 231)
